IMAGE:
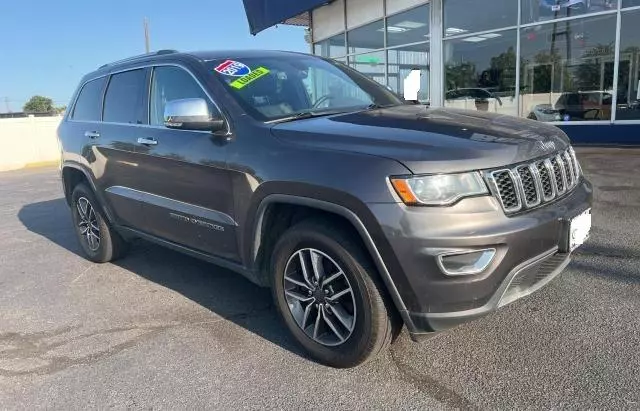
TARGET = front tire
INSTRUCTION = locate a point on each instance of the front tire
(329, 296)
(99, 241)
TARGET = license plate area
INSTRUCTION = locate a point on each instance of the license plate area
(579, 229)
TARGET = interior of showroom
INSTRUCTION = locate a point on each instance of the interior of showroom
(573, 63)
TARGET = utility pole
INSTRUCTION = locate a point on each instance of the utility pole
(6, 103)
(146, 35)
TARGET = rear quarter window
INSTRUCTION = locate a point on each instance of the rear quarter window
(89, 103)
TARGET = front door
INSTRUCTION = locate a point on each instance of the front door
(186, 194)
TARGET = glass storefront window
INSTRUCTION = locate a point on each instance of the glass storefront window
(630, 3)
(366, 38)
(566, 69)
(411, 26)
(403, 62)
(331, 47)
(480, 72)
(628, 105)
(370, 64)
(541, 10)
(468, 16)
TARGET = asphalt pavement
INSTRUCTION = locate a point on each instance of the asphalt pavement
(164, 331)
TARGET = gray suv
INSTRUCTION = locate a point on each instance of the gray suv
(361, 213)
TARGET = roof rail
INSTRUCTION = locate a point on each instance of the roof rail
(140, 56)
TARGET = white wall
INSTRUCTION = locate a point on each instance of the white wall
(26, 141)
(394, 6)
(363, 11)
(328, 20)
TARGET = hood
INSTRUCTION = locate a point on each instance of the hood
(428, 140)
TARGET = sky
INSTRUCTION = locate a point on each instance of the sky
(47, 46)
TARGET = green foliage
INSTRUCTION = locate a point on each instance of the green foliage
(39, 104)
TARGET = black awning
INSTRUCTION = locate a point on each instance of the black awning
(263, 14)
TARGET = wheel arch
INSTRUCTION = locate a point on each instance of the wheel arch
(73, 174)
(259, 256)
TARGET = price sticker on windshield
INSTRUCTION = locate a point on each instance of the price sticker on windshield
(249, 78)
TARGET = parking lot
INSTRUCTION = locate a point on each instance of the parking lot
(162, 330)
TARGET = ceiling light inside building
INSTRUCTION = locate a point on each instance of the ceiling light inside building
(394, 29)
(490, 35)
(410, 24)
(474, 39)
(450, 31)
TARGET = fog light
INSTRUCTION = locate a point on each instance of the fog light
(466, 262)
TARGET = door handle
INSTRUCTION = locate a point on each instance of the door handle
(147, 141)
(92, 134)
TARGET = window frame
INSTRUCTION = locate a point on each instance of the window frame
(71, 113)
(151, 65)
(145, 95)
(152, 74)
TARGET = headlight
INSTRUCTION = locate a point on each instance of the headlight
(438, 189)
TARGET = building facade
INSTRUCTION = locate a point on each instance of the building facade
(573, 63)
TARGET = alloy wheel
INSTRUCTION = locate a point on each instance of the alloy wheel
(88, 224)
(320, 297)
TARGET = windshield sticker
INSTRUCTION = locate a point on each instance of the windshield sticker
(249, 78)
(233, 68)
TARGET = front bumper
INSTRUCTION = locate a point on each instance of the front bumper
(532, 248)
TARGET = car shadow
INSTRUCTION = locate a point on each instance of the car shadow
(225, 293)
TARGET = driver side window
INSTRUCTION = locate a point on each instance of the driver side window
(173, 83)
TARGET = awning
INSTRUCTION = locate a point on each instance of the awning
(263, 14)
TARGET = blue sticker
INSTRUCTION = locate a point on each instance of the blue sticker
(233, 68)
(566, 117)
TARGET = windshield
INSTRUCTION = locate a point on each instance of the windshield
(283, 86)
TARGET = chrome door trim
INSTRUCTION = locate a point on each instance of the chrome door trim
(171, 205)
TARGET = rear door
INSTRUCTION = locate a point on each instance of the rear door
(125, 119)
(184, 178)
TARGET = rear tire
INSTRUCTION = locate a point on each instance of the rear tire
(344, 332)
(99, 241)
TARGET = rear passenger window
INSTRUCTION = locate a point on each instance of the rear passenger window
(173, 83)
(125, 98)
(88, 104)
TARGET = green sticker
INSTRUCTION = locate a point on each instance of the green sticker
(250, 78)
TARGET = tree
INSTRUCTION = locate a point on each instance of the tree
(38, 104)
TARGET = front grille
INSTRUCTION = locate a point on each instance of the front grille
(557, 174)
(529, 185)
(506, 186)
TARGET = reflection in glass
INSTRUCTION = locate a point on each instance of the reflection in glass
(628, 105)
(366, 38)
(411, 26)
(371, 65)
(480, 72)
(567, 70)
(331, 47)
(541, 10)
(630, 3)
(402, 61)
(468, 16)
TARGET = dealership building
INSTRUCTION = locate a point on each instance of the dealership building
(572, 63)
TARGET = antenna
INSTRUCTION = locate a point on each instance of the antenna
(146, 35)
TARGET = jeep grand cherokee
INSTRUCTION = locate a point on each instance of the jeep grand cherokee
(361, 213)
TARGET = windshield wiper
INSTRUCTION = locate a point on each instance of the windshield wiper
(304, 114)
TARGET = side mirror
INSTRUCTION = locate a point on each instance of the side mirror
(191, 114)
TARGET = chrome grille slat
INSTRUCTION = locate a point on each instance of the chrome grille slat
(568, 168)
(529, 185)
